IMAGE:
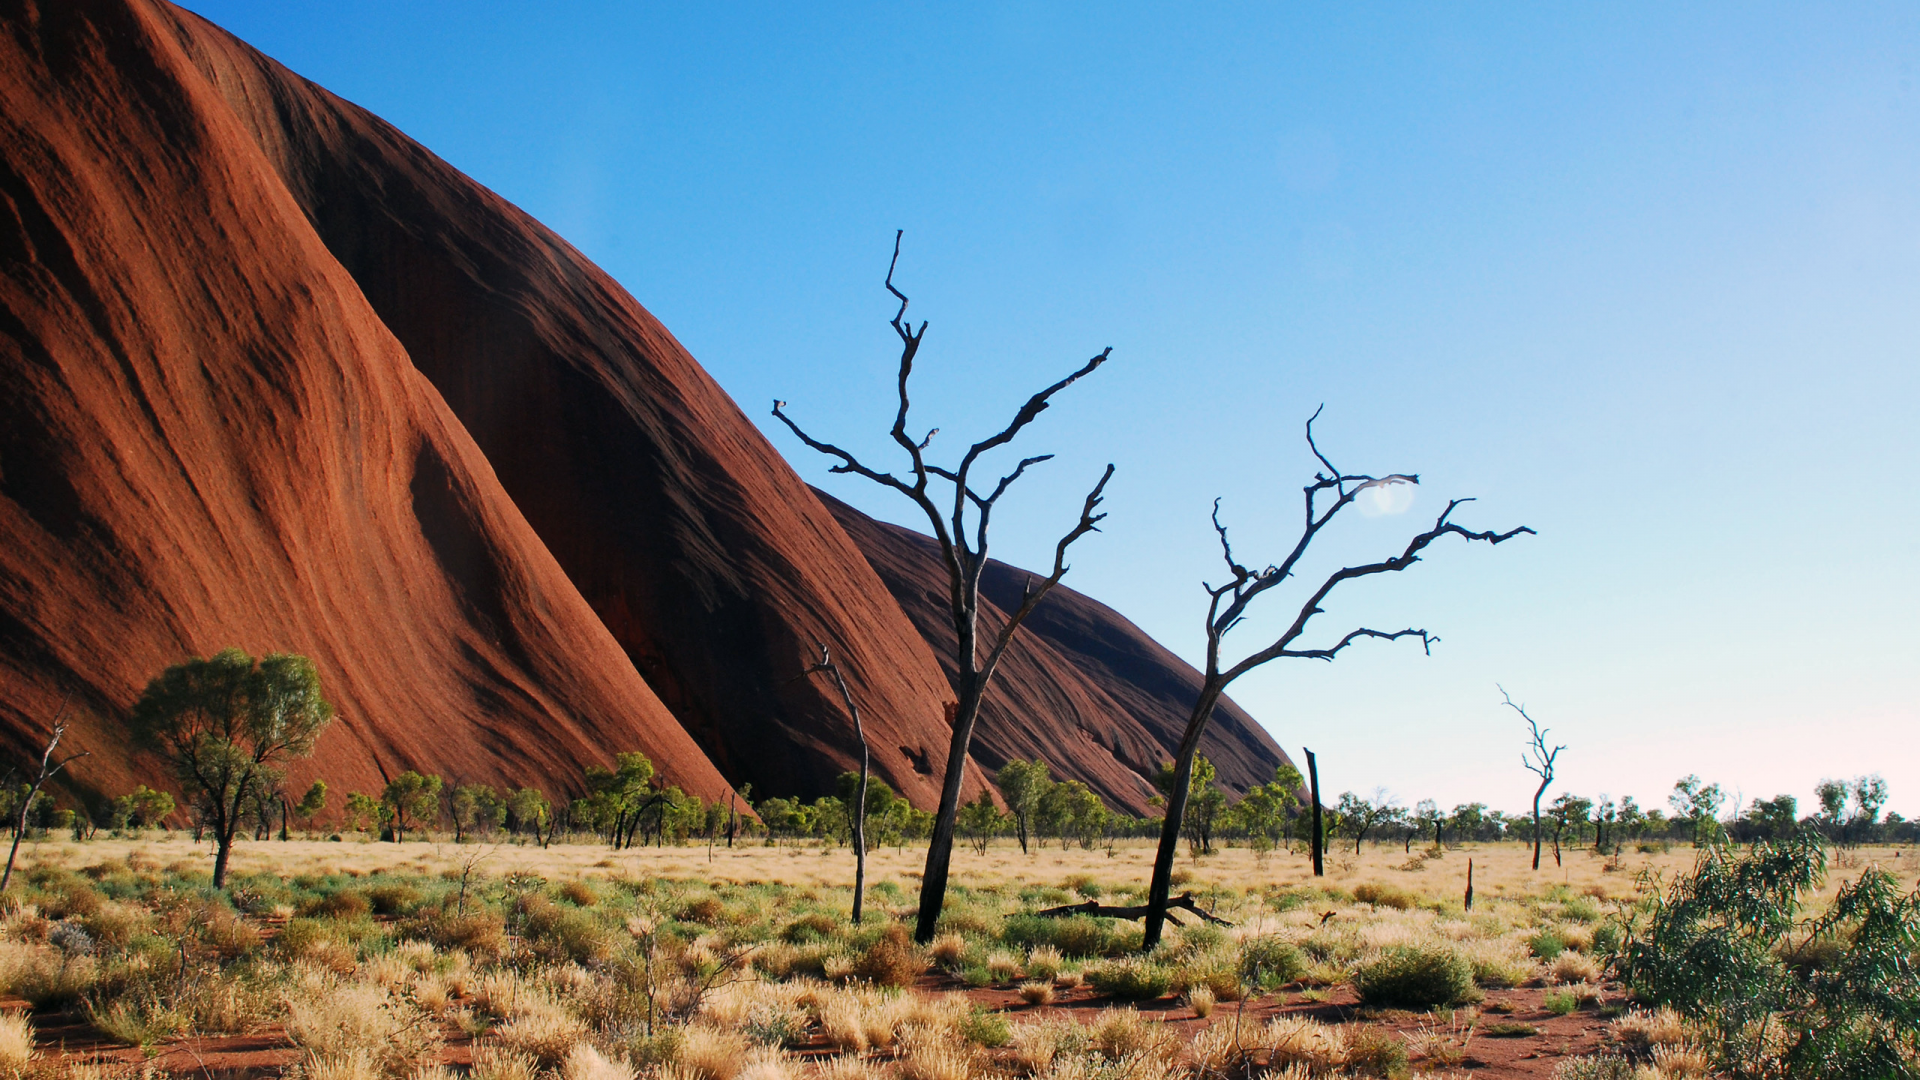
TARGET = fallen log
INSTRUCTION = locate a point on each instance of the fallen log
(1131, 911)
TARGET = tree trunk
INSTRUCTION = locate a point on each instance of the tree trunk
(1162, 883)
(1319, 839)
(933, 884)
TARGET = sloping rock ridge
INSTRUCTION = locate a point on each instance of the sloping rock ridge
(1080, 685)
(273, 375)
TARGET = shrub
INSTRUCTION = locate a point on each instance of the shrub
(814, 926)
(394, 899)
(579, 893)
(1411, 977)
(1547, 944)
(1710, 946)
(983, 1028)
(1267, 963)
(891, 960)
(1388, 896)
(705, 910)
(1131, 979)
(1603, 1067)
(1076, 935)
(1044, 963)
(345, 904)
(1374, 1052)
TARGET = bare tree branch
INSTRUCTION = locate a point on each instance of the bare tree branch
(1227, 606)
(963, 548)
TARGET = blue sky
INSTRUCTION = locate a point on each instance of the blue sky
(1644, 279)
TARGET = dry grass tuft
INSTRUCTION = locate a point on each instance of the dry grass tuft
(584, 1062)
(948, 950)
(343, 1026)
(1036, 992)
(1573, 967)
(500, 1063)
(16, 1045)
(708, 1053)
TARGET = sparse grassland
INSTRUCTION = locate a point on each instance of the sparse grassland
(364, 960)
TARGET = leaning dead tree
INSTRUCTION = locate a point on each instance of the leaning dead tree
(48, 770)
(960, 529)
(1538, 759)
(1228, 604)
(827, 665)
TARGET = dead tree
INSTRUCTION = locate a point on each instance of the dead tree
(1228, 604)
(961, 532)
(1539, 760)
(48, 770)
(859, 814)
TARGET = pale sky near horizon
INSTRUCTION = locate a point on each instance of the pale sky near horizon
(1645, 279)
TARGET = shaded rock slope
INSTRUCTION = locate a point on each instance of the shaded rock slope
(273, 375)
(1080, 686)
(209, 438)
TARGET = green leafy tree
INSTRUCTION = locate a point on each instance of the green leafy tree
(528, 811)
(1360, 816)
(1869, 797)
(1427, 818)
(364, 812)
(312, 803)
(1266, 812)
(411, 799)
(1567, 812)
(1471, 821)
(475, 808)
(621, 797)
(1023, 784)
(1698, 804)
(228, 726)
(1774, 819)
(1205, 803)
(981, 821)
(141, 808)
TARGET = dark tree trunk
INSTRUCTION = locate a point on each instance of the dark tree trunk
(1313, 777)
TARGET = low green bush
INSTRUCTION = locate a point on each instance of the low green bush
(1267, 963)
(983, 1028)
(1076, 935)
(1131, 979)
(1413, 977)
(1547, 944)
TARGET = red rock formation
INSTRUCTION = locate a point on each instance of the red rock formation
(273, 375)
(209, 438)
(701, 550)
(1080, 686)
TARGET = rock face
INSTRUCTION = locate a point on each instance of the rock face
(273, 375)
(209, 438)
(1080, 686)
(702, 552)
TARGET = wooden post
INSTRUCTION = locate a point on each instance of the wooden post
(1319, 839)
(1469, 883)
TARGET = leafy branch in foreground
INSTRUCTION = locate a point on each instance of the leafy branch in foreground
(1772, 995)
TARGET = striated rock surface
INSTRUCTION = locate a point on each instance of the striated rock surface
(700, 549)
(209, 438)
(1080, 686)
(273, 375)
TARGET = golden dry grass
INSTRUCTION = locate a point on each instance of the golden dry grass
(1500, 869)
